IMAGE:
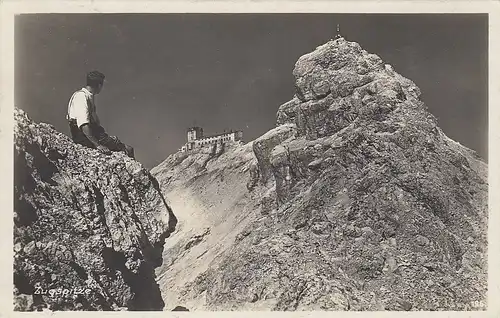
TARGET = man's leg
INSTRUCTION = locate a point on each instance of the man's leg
(114, 144)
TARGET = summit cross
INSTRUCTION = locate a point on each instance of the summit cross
(338, 36)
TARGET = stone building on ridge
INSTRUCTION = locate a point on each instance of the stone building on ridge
(195, 138)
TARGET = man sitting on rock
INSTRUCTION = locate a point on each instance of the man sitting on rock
(83, 121)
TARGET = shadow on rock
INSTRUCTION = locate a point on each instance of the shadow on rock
(157, 253)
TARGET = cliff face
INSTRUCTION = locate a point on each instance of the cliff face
(88, 228)
(355, 201)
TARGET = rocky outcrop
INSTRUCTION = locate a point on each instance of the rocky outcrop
(88, 228)
(263, 146)
(355, 201)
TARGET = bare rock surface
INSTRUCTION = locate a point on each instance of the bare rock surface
(355, 201)
(88, 228)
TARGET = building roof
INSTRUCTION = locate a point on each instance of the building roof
(222, 134)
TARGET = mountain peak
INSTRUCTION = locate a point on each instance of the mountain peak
(339, 83)
(357, 200)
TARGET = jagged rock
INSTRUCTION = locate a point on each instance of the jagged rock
(263, 146)
(254, 177)
(88, 228)
(374, 204)
(195, 240)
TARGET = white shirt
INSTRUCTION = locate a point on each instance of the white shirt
(82, 108)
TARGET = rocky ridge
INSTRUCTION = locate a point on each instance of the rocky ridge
(88, 228)
(356, 201)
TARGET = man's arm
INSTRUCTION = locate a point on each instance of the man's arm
(87, 130)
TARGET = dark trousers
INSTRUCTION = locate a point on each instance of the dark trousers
(110, 142)
(78, 136)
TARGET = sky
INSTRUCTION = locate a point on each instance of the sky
(167, 72)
